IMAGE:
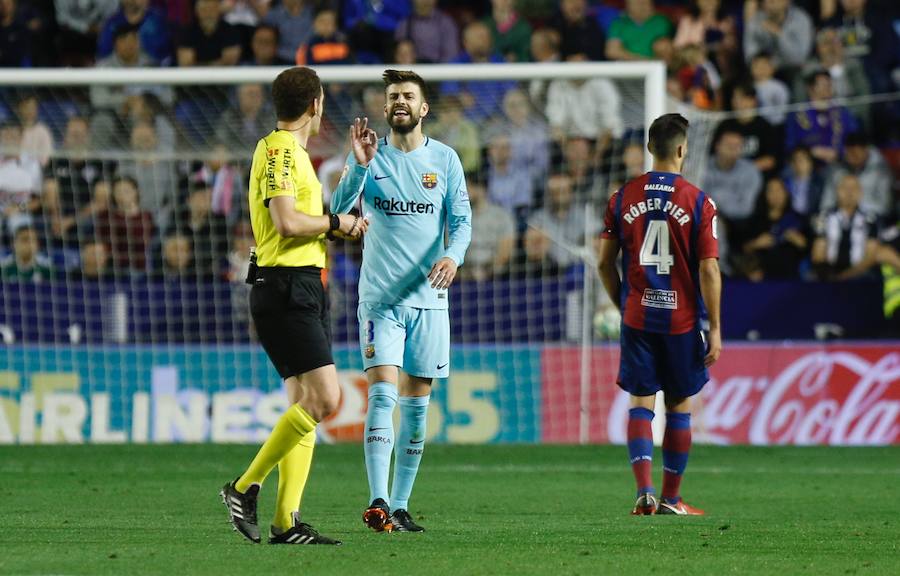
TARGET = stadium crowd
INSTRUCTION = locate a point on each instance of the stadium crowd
(807, 191)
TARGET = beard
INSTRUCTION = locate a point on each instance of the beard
(403, 125)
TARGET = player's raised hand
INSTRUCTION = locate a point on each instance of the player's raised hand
(363, 141)
(715, 348)
(442, 273)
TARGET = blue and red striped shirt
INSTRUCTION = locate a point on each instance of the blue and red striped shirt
(665, 226)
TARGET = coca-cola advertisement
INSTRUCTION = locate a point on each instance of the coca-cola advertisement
(825, 394)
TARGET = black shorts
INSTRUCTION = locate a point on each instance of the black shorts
(290, 310)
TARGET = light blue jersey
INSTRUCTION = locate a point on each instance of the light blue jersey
(410, 198)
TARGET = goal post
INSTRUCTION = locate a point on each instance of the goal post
(133, 324)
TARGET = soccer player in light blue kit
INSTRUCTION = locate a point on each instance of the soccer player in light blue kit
(412, 189)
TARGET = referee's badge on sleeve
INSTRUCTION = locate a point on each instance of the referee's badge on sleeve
(429, 180)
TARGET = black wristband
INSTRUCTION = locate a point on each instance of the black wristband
(334, 222)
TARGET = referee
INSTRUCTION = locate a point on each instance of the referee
(289, 305)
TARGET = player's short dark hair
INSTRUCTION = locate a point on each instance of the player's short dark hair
(293, 91)
(401, 76)
(666, 133)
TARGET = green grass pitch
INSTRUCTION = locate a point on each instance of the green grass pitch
(547, 510)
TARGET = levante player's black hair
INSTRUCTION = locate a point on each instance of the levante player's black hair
(666, 133)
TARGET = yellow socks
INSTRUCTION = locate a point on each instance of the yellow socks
(293, 470)
(290, 428)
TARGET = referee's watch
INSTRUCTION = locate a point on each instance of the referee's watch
(333, 224)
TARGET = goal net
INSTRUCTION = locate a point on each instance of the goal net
(125, 235)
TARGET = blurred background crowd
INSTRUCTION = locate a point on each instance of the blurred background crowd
(801, 156)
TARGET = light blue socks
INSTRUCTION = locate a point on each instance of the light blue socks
(379, 437)
(408, 449)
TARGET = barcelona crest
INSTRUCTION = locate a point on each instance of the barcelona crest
(429, 180)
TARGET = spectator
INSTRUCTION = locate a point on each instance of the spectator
(544, 49)
(126, 228)
(294, 21)
(699, 82)
(590, 108)
(229, 194)
(15, 38)
(889, 257)
(527, 132)
(327, 45)
(580, 33)
(512, 34)
(330, 171)
(848, 78)
(867, 36)
(493, 237)
(243, 126)
(639, 33)
(373, 107)
(264, 47)
(149, 107)
(771, 93)
(77, 170)
(709, 26)
(206, 231)
(480, 99)
(209, 41)
(761, 143)
(177, 259)
(244, 16)
(150, 24)
(95, 264)
(20, 180)
(846, 244)
(432, 31)
(822, 127)
(509, 185)
(580, 165)
(453, 129)
(562, 220)
(864, 161)
(372, 25)
(37, 141)
(405, 53)
(153, 174)
(79, 23)
(734, 183)
(779, 28)
(26, 263)
(777, 243)
(535, 261)
(803, 182)
(111, 103)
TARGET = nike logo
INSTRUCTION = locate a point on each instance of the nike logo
(375, 429)
(441, 366)
(382, 177)
(416, 441)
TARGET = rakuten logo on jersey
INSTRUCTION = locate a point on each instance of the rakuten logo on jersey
(394, 207)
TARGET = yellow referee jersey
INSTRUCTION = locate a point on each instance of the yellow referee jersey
(281, 167)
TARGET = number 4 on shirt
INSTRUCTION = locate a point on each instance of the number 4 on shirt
(655, 249)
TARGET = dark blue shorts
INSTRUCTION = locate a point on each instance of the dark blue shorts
(651, 362)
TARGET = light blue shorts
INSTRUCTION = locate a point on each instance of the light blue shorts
(414, 339)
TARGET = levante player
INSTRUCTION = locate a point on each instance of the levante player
(666, 229)
(412, 189)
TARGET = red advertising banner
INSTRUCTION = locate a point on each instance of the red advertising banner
(829, 394)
